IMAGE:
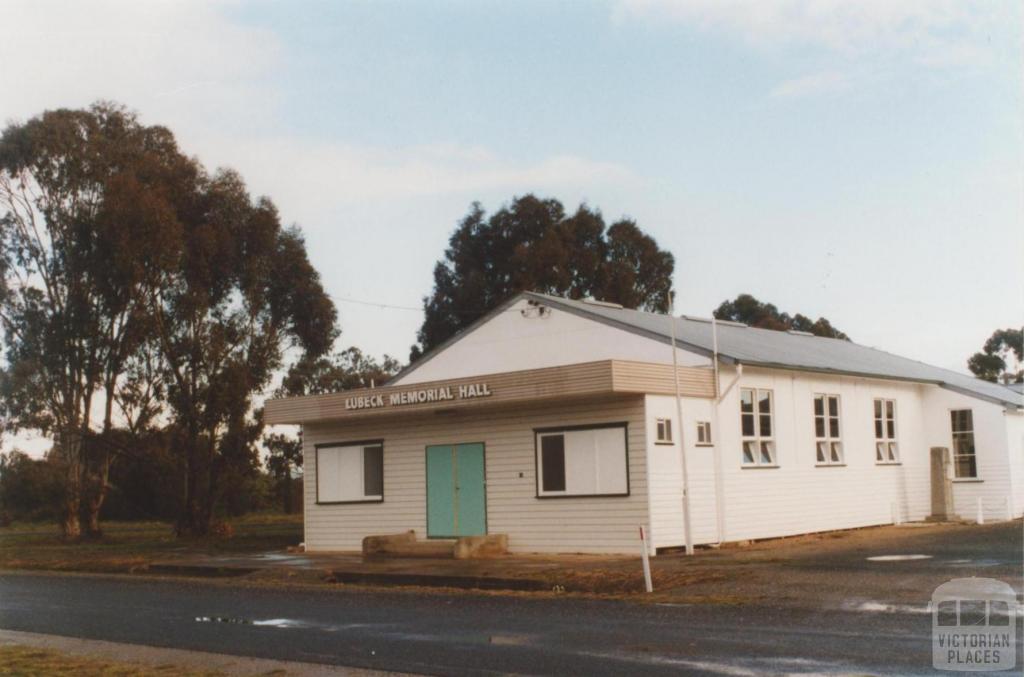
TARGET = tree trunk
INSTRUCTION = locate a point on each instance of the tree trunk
(101, 479)
(70, 524)
(70, 447)
(98, 496)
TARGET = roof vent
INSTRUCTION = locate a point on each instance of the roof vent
(606, 304)
(797, 332)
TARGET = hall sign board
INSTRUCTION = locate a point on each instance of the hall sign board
(421, 396)
(529, 387)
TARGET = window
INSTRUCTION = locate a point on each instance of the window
(964, 462)
(582, 461)
(664, 431)
(886, 448)
(756, 426)
(826, 430)
(350, 473)
(704, 433)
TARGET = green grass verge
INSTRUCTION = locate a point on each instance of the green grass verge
(128, 546)
(23, 660)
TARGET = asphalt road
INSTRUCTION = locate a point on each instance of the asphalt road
(465, 634)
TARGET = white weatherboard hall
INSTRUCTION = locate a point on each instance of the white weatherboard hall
(554, 422)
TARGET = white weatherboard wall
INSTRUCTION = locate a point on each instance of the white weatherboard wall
(1015, 440)
(578, 524)
(511, 342)
(996, 467)
(666, 474)
(798, 496)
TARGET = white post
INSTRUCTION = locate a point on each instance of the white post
(981, 512)
(716, 438)
(679, 423)
(1009, 509)
(646, 559)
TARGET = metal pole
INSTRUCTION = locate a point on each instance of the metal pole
(716, 439)
(679, 420)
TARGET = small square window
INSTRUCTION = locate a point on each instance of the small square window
(664, 430)
(704, 433)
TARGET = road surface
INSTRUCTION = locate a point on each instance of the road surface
(469, 634)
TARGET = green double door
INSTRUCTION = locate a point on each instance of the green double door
(456, 496)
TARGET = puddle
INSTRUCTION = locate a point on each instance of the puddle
(897, 558)
(962, 563)
(283, 623)
(223, 619)
(870, 606)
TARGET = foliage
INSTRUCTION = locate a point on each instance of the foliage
(345, 370)
(748, 310)
(30, 489)
(348, 369)
(533, 245)
(84, 223)
(241, 291)
(135, 282)
(991, 362)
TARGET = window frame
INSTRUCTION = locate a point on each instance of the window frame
(659, 425)
(758, 438)
(831, 442)
(974, 446)
(363, 444)
(709, 441)
(537, 469)
(890, 442)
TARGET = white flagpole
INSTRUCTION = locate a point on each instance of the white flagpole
(679, 421)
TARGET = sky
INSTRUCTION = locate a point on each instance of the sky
(862, 161)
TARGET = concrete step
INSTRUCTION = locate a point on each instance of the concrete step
(407, 545)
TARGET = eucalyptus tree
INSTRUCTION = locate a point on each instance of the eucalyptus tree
(86, 220)
(1005, 347)
(240, 292)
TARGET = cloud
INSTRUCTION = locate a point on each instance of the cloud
(815, 83)
(931, 32)
(214, 80)
(310, 179)
(183, 61)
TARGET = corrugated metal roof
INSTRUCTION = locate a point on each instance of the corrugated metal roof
(769, 348)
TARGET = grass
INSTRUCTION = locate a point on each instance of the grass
(128, 546)
(23, 660)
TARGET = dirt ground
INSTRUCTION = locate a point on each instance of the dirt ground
(834, 566)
